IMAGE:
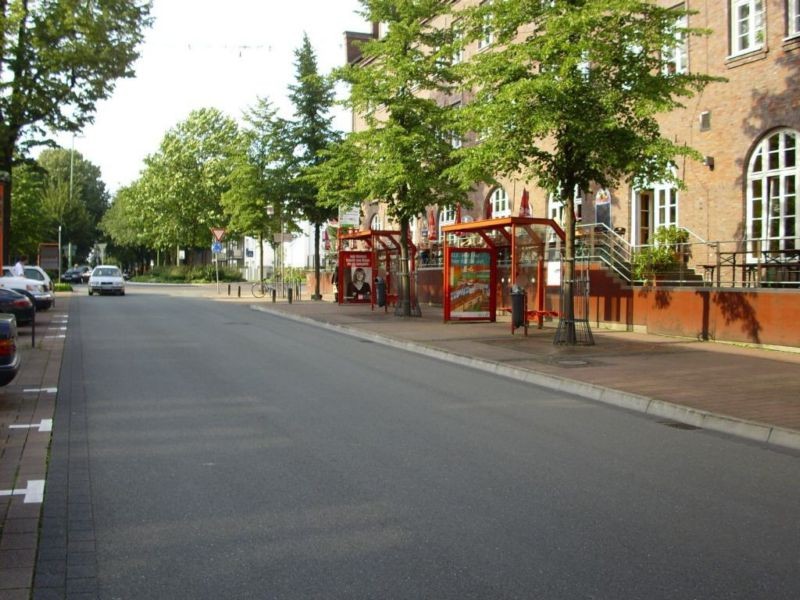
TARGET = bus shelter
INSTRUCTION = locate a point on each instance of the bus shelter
(366, 259)
(485, 260)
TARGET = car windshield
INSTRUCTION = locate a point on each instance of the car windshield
(108, 272)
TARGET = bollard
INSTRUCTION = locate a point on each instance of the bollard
(238, 291)
(289, 295)
(229, 289)
(274, 294)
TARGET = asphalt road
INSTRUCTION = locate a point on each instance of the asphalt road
(234, 454)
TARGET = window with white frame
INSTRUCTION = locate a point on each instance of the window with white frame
(773, 177)
(555, 208)
(501, 207)
(747, 26)
(375, 222)
(446, 217)
(458, 40)
(456, 141)
(666, 206)
(793, 16)
(488, 37)
(676, 57)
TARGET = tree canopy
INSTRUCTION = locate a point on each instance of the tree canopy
(57, 59)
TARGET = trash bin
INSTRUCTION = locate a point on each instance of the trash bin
(517, 306)
(380, 291)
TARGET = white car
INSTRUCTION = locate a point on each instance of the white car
(106, 279)
(32, 272)
(34, 289)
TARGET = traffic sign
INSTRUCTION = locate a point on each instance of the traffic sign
(216, 247)
(219, 233)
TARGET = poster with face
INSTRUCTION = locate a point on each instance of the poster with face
(358, 277)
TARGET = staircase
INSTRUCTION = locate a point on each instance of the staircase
(597, 243)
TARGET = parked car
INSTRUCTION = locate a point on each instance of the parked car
(17, 304)
(32, 272)
(9, 356)
(71, 276)
(32, 288)
(106, 279)
(76, 275)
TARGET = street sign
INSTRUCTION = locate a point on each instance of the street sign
(216, 247)
(219, 233)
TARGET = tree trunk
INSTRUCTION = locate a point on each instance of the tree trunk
(5, 205)
(317, 294)
(568, 335)
(404, 296)
(260, 255)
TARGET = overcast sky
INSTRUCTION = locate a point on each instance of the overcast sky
(210, 53)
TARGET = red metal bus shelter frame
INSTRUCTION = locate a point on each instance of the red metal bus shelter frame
(507, 227)
(383, 243)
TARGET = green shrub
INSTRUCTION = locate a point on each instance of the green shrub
(669, 249)
(189, 274)
(62, 287)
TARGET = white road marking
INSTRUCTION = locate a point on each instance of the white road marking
(34, 493)
(50, 390)
(44, 426)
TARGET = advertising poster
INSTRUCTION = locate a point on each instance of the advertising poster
(357, 271)
(470, 279)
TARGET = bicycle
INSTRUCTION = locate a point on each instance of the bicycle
(261, 289)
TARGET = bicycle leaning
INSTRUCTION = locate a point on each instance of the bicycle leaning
(261, 288)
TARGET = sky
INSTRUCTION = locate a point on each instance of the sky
(208, 53)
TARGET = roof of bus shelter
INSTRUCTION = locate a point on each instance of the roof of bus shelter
(378, 239)
(535, 227)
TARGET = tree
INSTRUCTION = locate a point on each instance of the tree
(75, 197)
(128, 226)
(260, 175)
(183, 183)
(312, 97)
(576, 100)
(57, 59)
(28, 222)
(405, 150)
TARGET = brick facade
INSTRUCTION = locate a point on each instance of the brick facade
(762, 94)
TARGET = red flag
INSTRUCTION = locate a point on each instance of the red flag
(524, 205)
(432, 225)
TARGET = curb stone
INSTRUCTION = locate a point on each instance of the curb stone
(741, 428)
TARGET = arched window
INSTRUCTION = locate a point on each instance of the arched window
(501, 207)
(773, 177)
(375, 222)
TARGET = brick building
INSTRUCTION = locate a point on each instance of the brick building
(748, 130)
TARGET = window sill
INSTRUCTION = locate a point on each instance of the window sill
(745, 59)
(791, 43)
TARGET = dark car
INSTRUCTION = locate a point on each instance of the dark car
(76, 275)
(9, 357)
(16, 304)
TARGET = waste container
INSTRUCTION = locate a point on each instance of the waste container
(380, 291)
(517, 306)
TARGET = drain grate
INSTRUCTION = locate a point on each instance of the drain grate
(677, 425)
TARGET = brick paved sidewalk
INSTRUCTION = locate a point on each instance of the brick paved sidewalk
(27, 407)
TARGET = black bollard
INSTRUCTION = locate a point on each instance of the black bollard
(289, 296)
(274, 294)
(238, 291)
(229, 289)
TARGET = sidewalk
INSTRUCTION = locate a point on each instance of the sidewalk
(27, 407)
(745, 391)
